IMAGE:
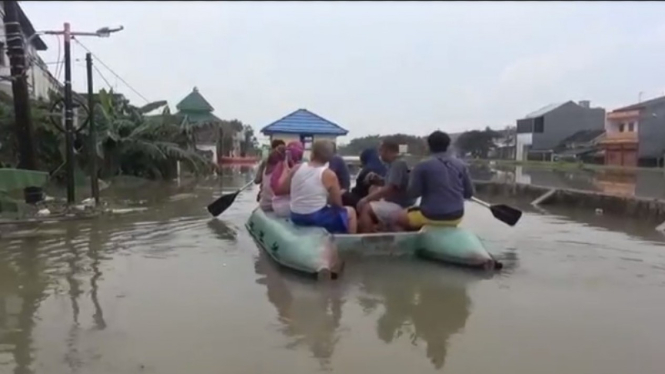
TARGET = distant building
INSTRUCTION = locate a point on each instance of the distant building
(197, 113)
(40, 81)
(582, 146)
(539, 132)
(504, 145)
(304, 126)
(636, 134)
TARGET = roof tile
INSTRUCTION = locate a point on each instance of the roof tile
(194, 102)
(302, 121)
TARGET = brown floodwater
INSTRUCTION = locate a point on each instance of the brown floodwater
(170, 290)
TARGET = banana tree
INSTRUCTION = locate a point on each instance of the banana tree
(130, 143)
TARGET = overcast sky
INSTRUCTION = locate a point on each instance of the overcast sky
(372, 67)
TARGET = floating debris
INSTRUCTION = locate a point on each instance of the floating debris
(126, 210)
(43, 212)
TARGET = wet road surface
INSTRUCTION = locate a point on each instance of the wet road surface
(170, 291)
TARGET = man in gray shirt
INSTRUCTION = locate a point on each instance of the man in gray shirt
(388, 202)
(442, 182)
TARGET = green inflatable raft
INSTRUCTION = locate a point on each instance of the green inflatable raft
(314, 251)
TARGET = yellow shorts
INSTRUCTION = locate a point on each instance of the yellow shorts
(417, 220)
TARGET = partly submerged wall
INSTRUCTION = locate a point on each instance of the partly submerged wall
(652, 210)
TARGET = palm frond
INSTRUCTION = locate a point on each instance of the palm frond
(152, 106)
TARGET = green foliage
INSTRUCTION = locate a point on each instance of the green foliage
(477, 143)
(227, 138)
(250, 144)
(416, 145)
(127, 141)
(50, 144)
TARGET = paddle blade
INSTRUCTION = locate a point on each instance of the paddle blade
(506, 214)
(218, 206)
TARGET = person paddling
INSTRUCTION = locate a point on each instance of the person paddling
(275, 145)
(442, 182)
(265, 168)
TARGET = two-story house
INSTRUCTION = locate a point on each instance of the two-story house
(539, 132)
(40, 81)
(635, 134)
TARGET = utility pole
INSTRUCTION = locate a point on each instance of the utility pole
(92, 136)
(23, 119)
(69, 116)
(69, 105)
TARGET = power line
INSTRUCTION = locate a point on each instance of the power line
(111, 70)
(102, 76)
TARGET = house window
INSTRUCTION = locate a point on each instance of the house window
(631, 127)
(539, 125)
(307, 141)
(622, 127)
(525, 126)
(2, 54)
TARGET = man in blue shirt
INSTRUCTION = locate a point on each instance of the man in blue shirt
(442, 182)
(338, 166)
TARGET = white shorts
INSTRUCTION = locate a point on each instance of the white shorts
(386, 212)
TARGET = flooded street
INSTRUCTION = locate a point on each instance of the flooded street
(646, 183)
(170, 291)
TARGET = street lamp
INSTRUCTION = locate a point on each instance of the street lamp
(105, 32)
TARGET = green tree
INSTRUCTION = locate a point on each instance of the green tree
(227, 133)
(129, 143)
(416, 145)
(477, 143)
(50, 145)
(249, 144)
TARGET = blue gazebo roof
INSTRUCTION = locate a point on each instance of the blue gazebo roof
(302, 121)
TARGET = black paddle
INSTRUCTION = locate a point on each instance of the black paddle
(218, 206)
(503, 213)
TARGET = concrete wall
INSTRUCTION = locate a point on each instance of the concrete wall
(296, 137)
(650, 210)
(566, 120)
(651, 133)
(521, 143)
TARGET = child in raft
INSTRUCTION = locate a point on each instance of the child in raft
(316, 197)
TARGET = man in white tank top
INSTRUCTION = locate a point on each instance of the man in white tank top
(316, 197)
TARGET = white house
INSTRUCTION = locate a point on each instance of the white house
(40, 81)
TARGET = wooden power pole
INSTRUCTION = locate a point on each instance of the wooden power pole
(19, 70)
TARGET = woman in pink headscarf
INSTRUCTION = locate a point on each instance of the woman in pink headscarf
(293, 155)
(266, 194)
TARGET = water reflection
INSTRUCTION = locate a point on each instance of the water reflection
(222, 230)
(426, 304)
(74, 292)
(643, 183)
(22, 287)
(309, 313)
